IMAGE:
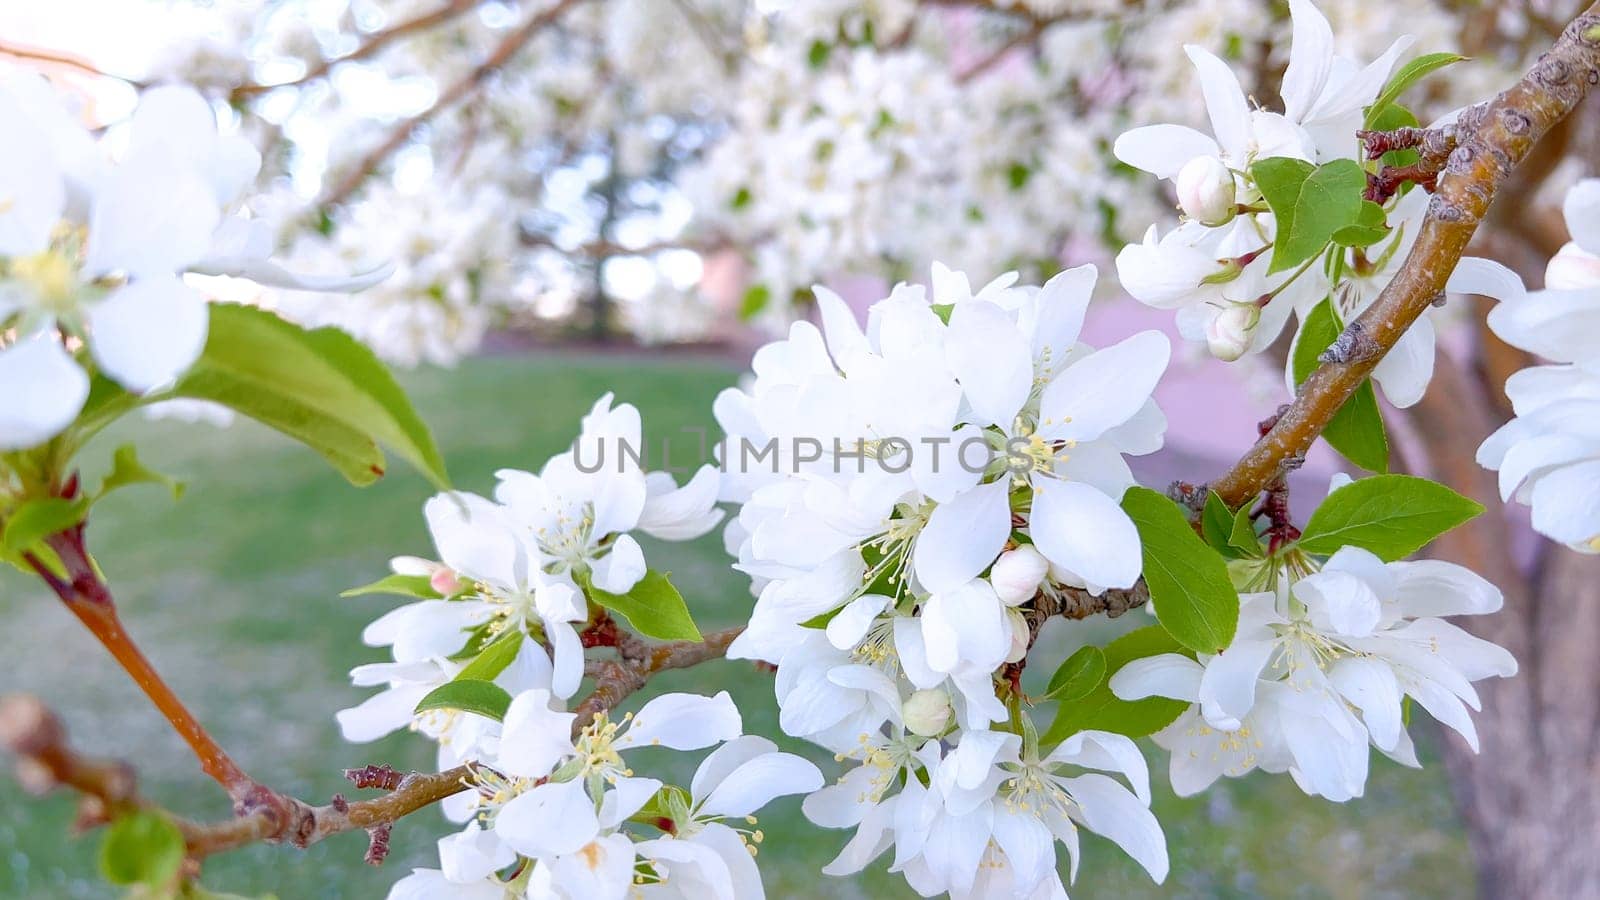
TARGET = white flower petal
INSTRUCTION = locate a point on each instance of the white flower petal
(618, 571)
(535, 736)
(147, 333)
(1112, 811)
(1225, 103)
(963, 537)
(758, 782)
(1082, 530)
(41, 391)
(683, 722)
(1100, 391)
(552, 819)
(1162, 150)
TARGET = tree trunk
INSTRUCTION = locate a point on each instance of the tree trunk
(1531, 797)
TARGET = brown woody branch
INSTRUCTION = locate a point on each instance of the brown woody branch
(1491, 139)
(58, 58)
(46, 761)
(637, 660)
(372, 43)
(455, 93)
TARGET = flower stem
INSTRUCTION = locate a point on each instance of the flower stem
(86, 596)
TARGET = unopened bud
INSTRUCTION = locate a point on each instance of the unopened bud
(927, 713)
(445, 582)
(1206, 191)
(1019, 636)
(1572, 268)
(1017, 573)
(1229, 334)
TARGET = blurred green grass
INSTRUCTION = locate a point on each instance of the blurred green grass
(234, 593)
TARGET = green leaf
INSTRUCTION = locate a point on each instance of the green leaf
(126, 469)
(1101, 710)
(1409, 74)
(1356, 430)
(322, 387)
(482, 697)
(1194, 598)
(1393, 516)
(1233, 534)
(1309, 202)
(1370, 227)
(1216, 524)
(1242, 536)
(493, 659)
(398, 585)
(1079, 675)
(34, 520)
(817, 54)
(653, 607)
(141, 848)
(943, 311)
(756, 298)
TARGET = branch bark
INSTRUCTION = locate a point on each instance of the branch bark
(1492, 139)
(373, 42)
(455, 93)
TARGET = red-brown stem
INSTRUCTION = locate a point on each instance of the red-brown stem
(86, 596)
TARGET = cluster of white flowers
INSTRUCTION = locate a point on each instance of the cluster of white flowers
(1321, 667)
(1549, 455)
(548, 804)
(1215, 268)
(915, 486)
(94, 247)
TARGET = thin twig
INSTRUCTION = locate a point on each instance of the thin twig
(62, 59)
(455, 93)
(372, 43)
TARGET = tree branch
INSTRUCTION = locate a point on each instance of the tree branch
(374, 42)
(1492, 139)
(637, 660)
(455, 93)
(62, 59)
(45, 761)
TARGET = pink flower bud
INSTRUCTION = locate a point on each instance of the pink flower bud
(445, 582)
(1228, 335)
(1019, 636)
(1206, 191)
(1017, 573)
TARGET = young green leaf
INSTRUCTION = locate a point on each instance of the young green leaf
(1309, 203)
(1080, 674)
(1242, 536)
(321, 387)
(653, 607)
(1101, 710)
(34, 520)
(1216, 524)
(494, 658)
(482, 697)
(757, 297)
(142, 848)
(1356, 430)
(1194, 598)
(1393, 516)
(1409, 74)
(398, 585)
(126, 469)
(1369, 228)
